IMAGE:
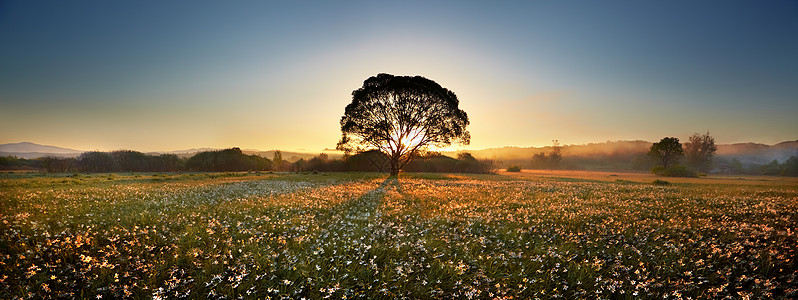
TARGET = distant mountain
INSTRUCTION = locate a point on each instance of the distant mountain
(753, 153)
(192, 151)
(32, 150)
(27, 147)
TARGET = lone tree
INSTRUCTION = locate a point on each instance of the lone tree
(699, 151)
(668, 151)
(401, 116)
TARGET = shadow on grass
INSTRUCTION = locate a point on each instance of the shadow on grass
(392, 182)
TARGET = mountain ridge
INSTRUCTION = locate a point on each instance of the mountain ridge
(28, 147)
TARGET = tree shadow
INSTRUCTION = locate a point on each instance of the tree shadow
(392, 182)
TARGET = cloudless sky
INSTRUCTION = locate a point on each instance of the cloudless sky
(170, 75)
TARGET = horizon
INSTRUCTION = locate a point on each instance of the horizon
(334, 151)
(111, 76)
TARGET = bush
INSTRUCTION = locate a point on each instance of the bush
(514, 168)
(660, 182)
(674, 171)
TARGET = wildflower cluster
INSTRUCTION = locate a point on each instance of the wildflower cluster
(358, 236)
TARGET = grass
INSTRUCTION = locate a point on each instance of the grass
(558, 234)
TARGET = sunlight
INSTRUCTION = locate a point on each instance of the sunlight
(407, 140)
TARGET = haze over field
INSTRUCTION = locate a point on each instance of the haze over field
(154, 76)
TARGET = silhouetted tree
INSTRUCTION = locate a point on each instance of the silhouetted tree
(539, 161)
(16, 163)
(131, 161)
(318, 163)
(96, 161)
(555, 157)
(548, 161)
(790, 167)
(277, 160)
(699, 151)
(232, 159)
(401, 115)
(668, 151)
(773, 168)
(737, 166)
(165, 163)
(469, 164)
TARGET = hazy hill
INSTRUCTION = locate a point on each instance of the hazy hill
(606, 155)
(753, 153)
(27, 147)
(31, 150)
(632, 154)
(610, 148)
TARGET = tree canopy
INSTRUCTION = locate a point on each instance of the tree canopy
(400, 116)
(699, 151)
(668, 151)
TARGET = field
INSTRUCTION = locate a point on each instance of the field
(522, 235)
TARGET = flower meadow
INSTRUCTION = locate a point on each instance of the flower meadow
(360, 235)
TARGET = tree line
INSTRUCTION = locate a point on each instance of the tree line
(697, 154)
(668, 157)
(234, 160)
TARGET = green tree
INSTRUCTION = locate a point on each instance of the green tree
(667, 151)
(402, 116)
(699, 151)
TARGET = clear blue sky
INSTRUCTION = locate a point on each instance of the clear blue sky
(168, 75)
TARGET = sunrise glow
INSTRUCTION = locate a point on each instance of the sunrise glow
(278, 76)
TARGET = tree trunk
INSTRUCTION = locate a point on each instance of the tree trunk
(394, 166)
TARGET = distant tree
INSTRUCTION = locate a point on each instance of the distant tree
(699, 151)
(667, 151)
(737, 166)
(232, 159)
(57, 164)
(555, 157)
(773, 168)
(539, 161)
(166, 163)
(548, 161)
(10, 162)
(277, 160)
(318, 163)
(131, 161)
(96, 161)
(400, 116)
(299, 165)
(790, 167)
(467, 163)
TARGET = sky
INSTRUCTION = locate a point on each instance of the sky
(172, 75)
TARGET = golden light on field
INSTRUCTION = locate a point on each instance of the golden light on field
(521, 236)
